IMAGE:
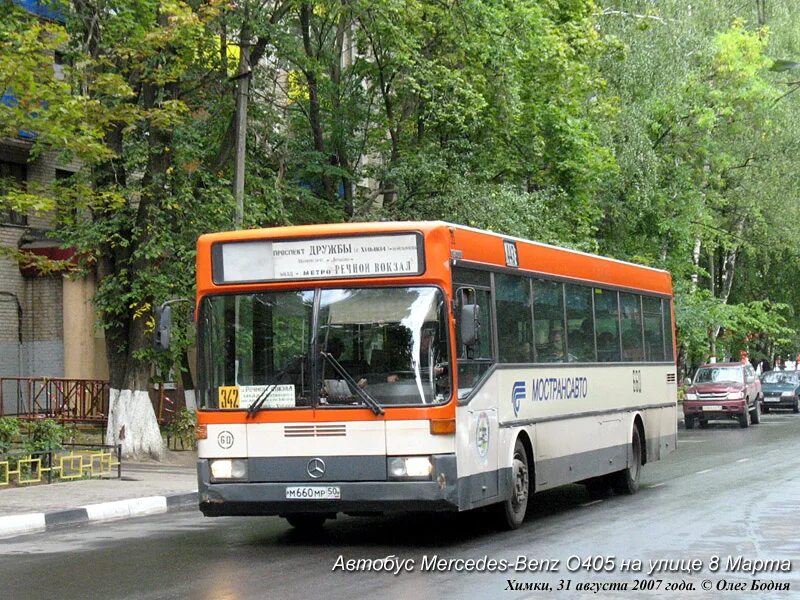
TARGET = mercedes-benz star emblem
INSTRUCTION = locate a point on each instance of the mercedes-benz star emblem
(316, 468)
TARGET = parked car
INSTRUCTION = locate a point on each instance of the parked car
(723, 391)
(781, 389)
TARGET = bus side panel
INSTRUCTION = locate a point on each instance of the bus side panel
(661, 431)
(478, 448)
(582, 416)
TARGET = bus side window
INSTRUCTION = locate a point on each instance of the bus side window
(475, 359)
(606, 318)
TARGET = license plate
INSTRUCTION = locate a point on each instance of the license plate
(314, 492)
(712, 407)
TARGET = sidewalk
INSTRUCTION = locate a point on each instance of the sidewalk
(145, 488)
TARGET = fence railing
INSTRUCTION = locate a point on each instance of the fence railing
(73, 461)
(74, 400)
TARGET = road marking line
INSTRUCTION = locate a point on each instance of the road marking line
(680, 441)
(655, 485)
(742, 460)
(592, 502)
(704, 471)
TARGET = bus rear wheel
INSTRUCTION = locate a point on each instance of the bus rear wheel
(626, 481)
(306, 521)
(511, 512)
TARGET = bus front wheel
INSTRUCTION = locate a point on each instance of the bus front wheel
(511, 512)
(627, 480)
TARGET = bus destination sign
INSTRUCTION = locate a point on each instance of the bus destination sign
(329, 258)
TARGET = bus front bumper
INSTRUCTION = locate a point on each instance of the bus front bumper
(261, 498)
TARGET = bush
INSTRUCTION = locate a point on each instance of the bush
(46, 434)
(9, 431)
(181, 427)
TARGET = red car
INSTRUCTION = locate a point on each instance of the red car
(723, 391)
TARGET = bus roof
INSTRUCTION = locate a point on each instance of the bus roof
(477, 247)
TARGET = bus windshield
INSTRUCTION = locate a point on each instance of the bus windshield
(390, 342)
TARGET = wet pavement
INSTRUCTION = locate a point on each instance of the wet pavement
(726, 494)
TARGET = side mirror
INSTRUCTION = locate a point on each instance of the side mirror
(470, 324)
(163, 327)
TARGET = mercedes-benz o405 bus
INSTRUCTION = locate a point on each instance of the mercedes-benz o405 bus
(378, 367)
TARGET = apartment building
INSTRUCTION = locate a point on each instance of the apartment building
(47, 321)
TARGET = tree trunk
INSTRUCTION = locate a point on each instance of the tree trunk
(340, 144)
(187, 383)
(132, 421)
(314, 112)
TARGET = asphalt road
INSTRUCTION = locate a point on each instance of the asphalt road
(725, 492)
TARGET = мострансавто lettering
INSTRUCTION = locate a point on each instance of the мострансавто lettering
(559, 388)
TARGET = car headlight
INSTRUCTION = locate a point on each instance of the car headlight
(787, 394)
(735, 396)
(691, 396)
(229, 468)
(409, 467)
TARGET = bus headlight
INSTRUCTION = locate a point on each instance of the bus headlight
(409, 467)
(229, 468)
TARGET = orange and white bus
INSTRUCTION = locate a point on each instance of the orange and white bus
(377, 367)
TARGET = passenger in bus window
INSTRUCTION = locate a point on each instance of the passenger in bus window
(336, 387)
(428, 355)
(581, 342)
(607, 350)
(554, 352)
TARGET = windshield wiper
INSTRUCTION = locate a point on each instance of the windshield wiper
(264, 396)
(363, 394)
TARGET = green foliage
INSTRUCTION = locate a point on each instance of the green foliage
(181, 427)
(706, 187)
(45, 434)
(662, 133)
(9, 432)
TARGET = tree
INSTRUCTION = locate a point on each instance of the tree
(153, 69)
(699, 142)
(38, 105)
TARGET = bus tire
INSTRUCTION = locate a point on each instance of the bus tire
(626, 481)
(511, 512)
(306, 521)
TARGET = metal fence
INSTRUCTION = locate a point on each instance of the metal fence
(66, 400)
(73, 461)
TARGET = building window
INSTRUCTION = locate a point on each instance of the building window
(12, 175)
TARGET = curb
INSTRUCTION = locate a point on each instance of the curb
(14, 525)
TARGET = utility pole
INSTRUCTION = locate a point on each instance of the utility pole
(242, 92)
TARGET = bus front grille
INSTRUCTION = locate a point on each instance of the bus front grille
(335, 430)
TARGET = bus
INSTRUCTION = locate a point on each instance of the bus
(368, 368)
